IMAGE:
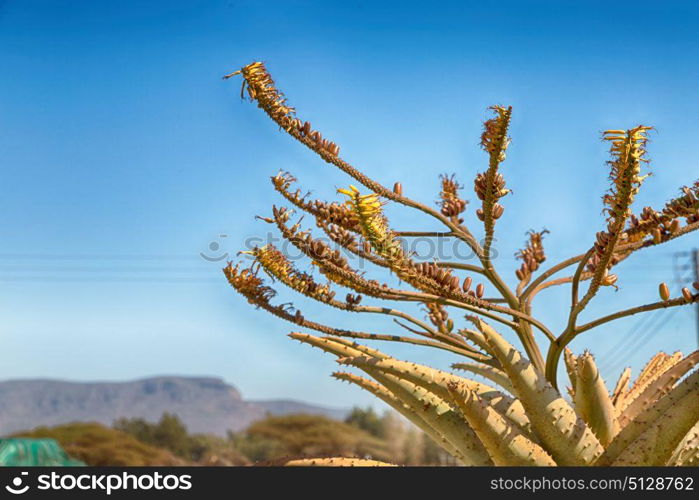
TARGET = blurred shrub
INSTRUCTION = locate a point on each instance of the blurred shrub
(307, 435)
(135, 441)
(96, 444)
(171, 434)
(405, 445)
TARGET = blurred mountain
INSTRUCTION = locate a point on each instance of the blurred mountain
(204, 404)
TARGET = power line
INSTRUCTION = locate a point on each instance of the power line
(648, 325)
(653, 328)
(612, 353)
(107, 279)
(107, 269)
(634, 338)
(27, 256)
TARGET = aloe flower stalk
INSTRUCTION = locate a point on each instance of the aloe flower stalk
(517, 415)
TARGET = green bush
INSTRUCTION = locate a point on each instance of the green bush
(307, 435)
(96, 444)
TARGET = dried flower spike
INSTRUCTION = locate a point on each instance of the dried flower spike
(372, 222)
(490, 185)
(532, 256)
(450, 201)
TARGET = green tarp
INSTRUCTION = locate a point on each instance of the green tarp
(22, 452)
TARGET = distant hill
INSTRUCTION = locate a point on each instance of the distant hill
(204, 404)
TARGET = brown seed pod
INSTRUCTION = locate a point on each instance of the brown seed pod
(664, 291)
(467, 284)
(454, 284)
(480, 290)
(479, 214)
(440, 275)
(306, 128)
(687, 294)
(398, 188)
(497, 210)
(519, 274)
(696, 285)
(318, 249)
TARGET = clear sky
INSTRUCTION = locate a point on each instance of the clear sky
(123, 155)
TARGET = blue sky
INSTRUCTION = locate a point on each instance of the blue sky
(124, 155)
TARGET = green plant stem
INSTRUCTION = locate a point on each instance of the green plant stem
(557, 346)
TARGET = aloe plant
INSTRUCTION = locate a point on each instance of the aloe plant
(518, 416)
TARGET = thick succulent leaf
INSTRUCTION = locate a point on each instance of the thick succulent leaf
(620, 389)
(652, 366)
(390, 399)
(592, 401)
(562, 433)
(656, 444)
(477, 338)
(493, 374)
(657, 386)
(644, 421)
(430, 408)
(439, 415)
(430, 378)
(571, 364)
(505, 444)
(436, 381)
(369, 351)
(327, 344)
(657, 365)
(687, 452)
(336, 462)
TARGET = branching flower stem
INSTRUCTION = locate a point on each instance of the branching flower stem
(663, 304)
(359, 227)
